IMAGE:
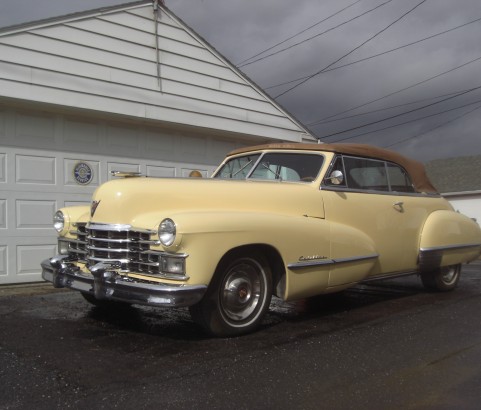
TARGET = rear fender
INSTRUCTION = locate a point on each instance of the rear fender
(448, 238)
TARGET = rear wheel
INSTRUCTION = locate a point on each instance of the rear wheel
(237, 298)
(442, 279)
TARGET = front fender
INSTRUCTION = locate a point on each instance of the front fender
(208, 236)
(316, 254)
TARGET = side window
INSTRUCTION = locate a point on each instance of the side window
(366, 174)
(398, 179)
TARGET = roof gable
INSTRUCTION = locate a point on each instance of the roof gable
(118, 60)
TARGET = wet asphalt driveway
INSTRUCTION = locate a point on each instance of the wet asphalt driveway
(388, 345)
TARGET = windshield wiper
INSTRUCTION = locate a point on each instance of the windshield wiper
(242, 168)
(267, 165)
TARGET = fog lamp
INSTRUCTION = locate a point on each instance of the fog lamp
(173, 264)
(63, 247)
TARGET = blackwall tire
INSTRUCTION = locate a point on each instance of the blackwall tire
(237, 298)
(443, 279)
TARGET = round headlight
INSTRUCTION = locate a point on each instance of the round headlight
(58, 221)
(167, 231)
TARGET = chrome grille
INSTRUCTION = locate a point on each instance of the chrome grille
(79, 246)
(120, 243)
(131, 248)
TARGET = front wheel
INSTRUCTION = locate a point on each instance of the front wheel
(237, 299)
(442, 279)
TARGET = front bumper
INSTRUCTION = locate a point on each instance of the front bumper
(106, 284)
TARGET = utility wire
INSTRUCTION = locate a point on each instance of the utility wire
(239, 64)
(405, 122)
(389, 108)
(313, 37)
(404, 113)
(401, 90)
(434, 128)
(350, 52)
(377, 55)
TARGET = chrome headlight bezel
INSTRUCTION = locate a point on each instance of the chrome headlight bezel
(59, 221)
(167, 232)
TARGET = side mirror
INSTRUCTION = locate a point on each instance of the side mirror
(336, 177)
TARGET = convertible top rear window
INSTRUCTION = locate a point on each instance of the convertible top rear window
(273, 166)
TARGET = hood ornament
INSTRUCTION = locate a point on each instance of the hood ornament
(93, 207)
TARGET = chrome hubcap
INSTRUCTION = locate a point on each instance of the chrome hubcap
(449, 274)
(241, 291)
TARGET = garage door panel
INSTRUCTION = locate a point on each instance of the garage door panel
(3, 261)
(76, 203)
(35, 129)
(35, 214)
(35, 170)
(159, 172)
(29, 257)
(79, 135)
(3, 167)
(122, 167)
(3, 214)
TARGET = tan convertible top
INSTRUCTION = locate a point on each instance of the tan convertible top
(414, 168)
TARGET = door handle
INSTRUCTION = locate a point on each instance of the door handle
(399, 206)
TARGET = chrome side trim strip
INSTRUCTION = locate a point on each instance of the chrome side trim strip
(450, 247)
(389, 276)
(310, 264)
(372, 191)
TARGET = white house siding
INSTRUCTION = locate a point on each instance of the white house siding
(106, 61)
(38, 153)
(468, 203)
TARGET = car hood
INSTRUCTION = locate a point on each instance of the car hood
(133, 200)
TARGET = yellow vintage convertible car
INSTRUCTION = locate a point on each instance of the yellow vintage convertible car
(291, 220)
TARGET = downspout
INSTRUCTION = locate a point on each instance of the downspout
(157, 54)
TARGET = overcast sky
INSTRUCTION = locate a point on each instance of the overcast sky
(388, 89)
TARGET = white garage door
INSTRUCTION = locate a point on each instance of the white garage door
(36, 178)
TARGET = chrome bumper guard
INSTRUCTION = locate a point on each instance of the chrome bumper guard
(105, 283)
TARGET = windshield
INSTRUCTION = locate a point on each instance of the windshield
(237, 168)
(273, 166)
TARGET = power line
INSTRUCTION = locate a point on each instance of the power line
(377, 55)
(313, 37)
(401, 90)
(403, 113)
(434, 128)
(388, 108)
(354, 49)
(297, 34)
(406, 122)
